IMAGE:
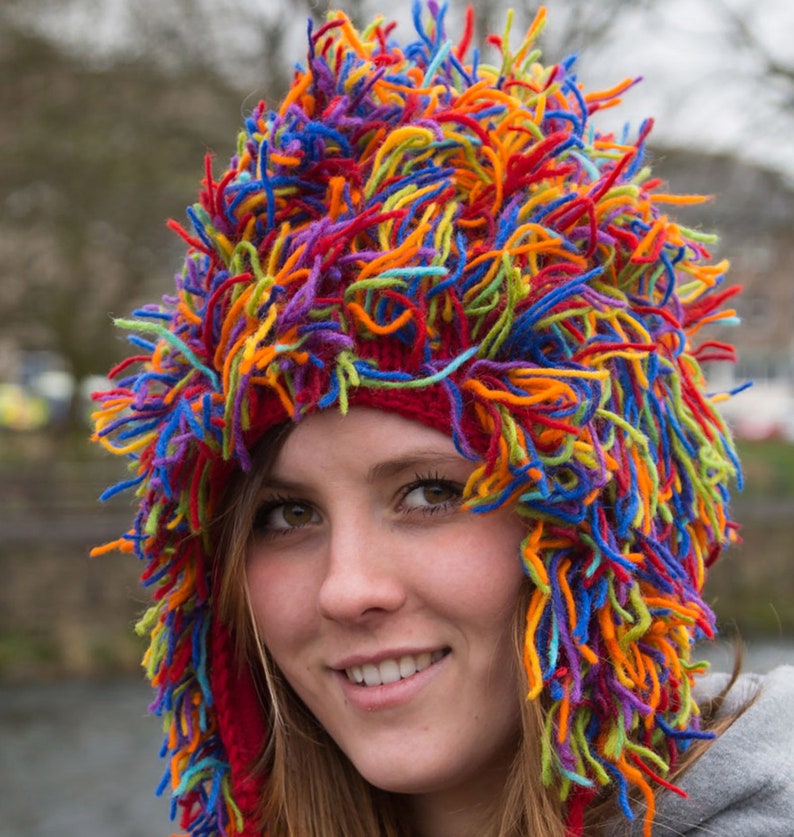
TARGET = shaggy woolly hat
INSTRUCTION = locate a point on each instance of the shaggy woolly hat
(424, 232)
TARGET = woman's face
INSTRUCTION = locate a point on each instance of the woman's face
(388, 609)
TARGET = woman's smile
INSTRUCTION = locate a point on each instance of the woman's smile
(392, 669)
(394, 683)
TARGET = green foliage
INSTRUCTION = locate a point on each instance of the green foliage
(768, 467)
(26, 650)
(92, 163)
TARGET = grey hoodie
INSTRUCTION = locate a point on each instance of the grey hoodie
(743, 786)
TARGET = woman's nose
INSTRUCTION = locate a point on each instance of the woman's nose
(362, 577)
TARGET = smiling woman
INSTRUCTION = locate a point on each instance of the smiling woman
(428, 477)
(388, 608)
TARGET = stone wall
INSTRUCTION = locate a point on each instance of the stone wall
(60, 610)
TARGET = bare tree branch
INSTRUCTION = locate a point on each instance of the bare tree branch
(744, 37)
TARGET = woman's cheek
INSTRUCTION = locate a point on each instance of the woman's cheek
(279, 595)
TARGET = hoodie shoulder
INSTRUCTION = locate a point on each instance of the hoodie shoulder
(743, 785)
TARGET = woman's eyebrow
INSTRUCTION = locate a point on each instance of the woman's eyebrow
(413, 461)
(276, 483)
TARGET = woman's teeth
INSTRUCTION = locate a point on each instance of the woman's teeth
(390, 671)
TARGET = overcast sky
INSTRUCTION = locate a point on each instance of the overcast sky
(701, 93)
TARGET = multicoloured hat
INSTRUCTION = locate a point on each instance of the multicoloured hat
(415, 229)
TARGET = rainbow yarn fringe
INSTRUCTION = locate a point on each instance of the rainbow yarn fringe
(520, 265)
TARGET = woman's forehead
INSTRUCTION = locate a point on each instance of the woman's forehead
(375, 442)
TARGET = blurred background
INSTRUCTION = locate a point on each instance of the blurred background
(107, 110)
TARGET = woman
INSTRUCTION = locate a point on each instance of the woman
(428, 477)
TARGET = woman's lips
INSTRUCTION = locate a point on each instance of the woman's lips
(393, 669)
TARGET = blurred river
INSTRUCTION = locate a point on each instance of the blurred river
(79, 758)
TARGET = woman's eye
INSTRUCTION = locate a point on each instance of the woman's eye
(431, 495)
(284, 517)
